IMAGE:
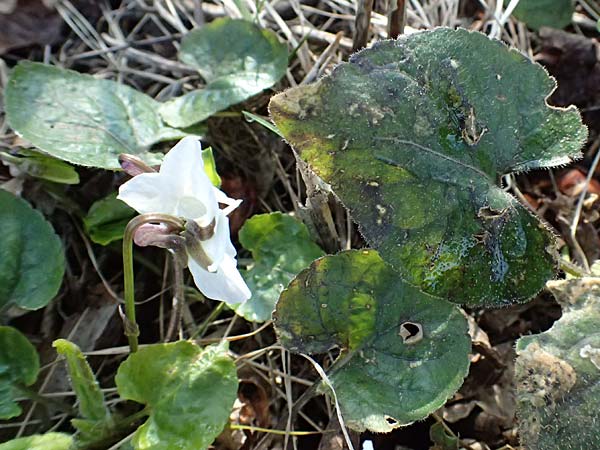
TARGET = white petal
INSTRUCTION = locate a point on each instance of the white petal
(183, 166)
(367, 445)
(149, 192)
(220, 243)
(231, 203)
(226, 284)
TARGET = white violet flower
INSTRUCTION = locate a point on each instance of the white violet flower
(181, 188)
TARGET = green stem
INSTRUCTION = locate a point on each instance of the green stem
(132, 330)
(204, 325)
(572, 269)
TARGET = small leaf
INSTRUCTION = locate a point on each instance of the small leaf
(190, 393)
(544, 13)
(403, 352)
(236, 59)
(558, 373)
(32, 262)
(82, 119)
(262, 121)
(83, 381)
(41, 166)
(106, 220)
(19, 365)
(414, 135)
(441, 438)
(281, 247)
(48, 441)
(210, 166)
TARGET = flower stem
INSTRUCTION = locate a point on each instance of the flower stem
(132, 330)
(178, 299)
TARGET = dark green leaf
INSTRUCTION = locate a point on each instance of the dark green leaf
(403, 352)
(82, 119)
(281, 247)
(83, 381)
(107, 218)
(442, 440)
(189, 391)
(544, 13)
(236, 59)
(558, 373)
(413, 135)
(32, 262)
(48, 441)
(19, 366)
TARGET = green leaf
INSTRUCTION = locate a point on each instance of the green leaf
(558, 373)
(32, 262)
(414, 135)
(189, 392)
(106, 220)
(210, 166)
(41, 166)
(19, 366)
(48, 441)
(544, 13)
(262, 121)
(236, 59)
(83, 381)
(403, 352)
(442, 440)
(82, 119)
(281, 247)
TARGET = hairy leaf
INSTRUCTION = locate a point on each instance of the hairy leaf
(83, 381)
(189, 392)
(32, 262)
(414, 135)
(48, 441)
(281, 247)
(558, 373)
(82, 119)
(236, 59)
(403, 352)
(19, 366)
(545, 13)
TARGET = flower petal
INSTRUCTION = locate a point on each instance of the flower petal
(220, 243)
(184, 167)
(226, 284)
(149, 192)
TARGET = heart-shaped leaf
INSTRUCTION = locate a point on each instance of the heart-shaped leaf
(19, 366)
(403, 352)
(281, 247)
(237, 60)
(189, 392)
(32, 262)
(414, 134)
(544, 13)
(558, 373)
(82, 119)
(48, 441)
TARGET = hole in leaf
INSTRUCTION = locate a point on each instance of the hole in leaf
(391, 421)
(411, 332)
